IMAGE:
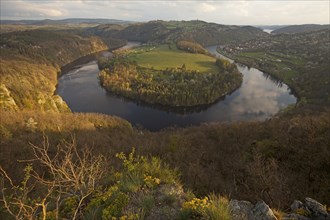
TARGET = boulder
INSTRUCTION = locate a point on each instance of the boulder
(316, 208)
(296, 205)
(294, 216)
(244, 210)
(240, 210)
(261, 211)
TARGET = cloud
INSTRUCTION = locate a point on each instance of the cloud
(206, 7)
(29, 10)
(224, 12)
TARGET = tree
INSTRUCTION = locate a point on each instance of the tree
(70, 174)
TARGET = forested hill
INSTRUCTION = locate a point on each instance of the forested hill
(30, 62)
(65, 21)
(293, 29)
(169, 31)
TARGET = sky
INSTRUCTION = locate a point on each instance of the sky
(249, 12)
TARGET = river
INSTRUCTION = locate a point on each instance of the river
(259, 97)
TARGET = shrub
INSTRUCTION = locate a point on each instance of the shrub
(218, 208)
(211, 207)
(115, 208)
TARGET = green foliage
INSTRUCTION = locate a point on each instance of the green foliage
(115, 208)
(69, 206)
(148, 202)
(140, 172)
(225, 65)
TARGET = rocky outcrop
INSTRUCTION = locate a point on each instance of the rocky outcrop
(262, 211)
(244, 210)
(309, 210)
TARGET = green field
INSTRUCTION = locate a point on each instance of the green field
(165, 56)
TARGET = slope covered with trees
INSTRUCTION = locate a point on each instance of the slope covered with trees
(294, 29)
(172, 31)
(30, 65)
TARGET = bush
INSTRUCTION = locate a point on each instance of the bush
(211, 207)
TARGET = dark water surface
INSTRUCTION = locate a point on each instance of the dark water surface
(258, 98)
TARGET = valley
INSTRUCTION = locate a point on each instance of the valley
(206, 124)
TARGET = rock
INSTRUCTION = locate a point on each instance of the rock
(316, 208)
(261, 211)
(240, 210)
(296, 205)
(294, 216)
(310, 210)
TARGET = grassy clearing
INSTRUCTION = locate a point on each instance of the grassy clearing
(165, 56)
(275, 57)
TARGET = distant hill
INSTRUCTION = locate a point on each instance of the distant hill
(171, 31)
(65, 21)
(293, 29)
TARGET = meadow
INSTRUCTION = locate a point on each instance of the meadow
(168, 56)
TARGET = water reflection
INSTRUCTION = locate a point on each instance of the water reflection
(276, 81)
(259, 97)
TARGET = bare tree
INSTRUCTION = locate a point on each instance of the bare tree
(68, 173)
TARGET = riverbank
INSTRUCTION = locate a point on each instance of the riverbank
(301, 60)
(267, 67)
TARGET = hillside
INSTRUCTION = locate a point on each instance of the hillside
(171, 31)
(293, 29)
(30, 64)
(278, 161)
